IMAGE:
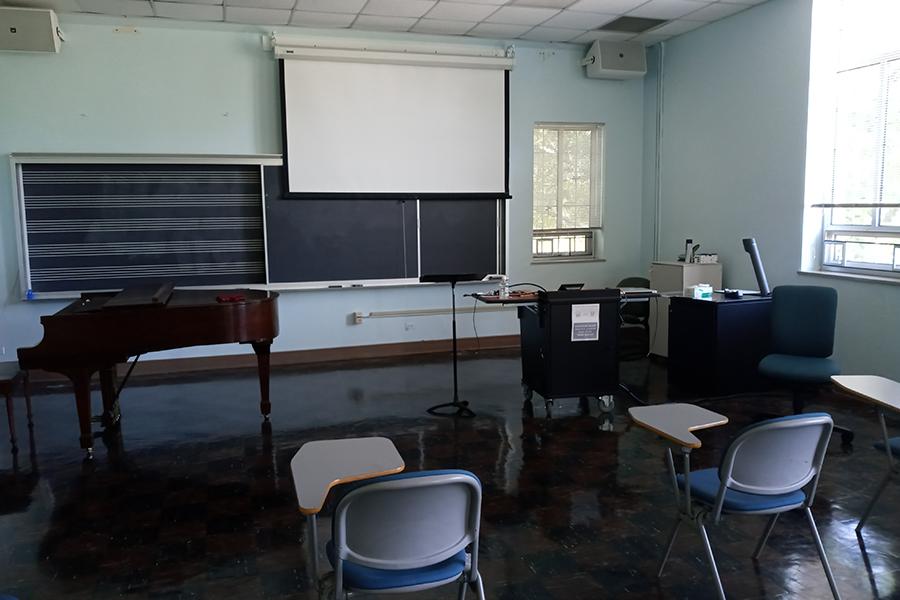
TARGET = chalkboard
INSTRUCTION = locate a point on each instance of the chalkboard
(322, 240)
(459, 236)
(109, 226)
(359, 239)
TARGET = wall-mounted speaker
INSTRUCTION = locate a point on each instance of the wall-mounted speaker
(29, 30)
(616, 60)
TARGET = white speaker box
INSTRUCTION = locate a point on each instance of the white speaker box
(616, 60)
(29, 29)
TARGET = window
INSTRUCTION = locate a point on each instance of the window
(567, 190)
(861, 219)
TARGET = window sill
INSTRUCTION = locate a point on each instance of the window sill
(852, 276)
(565, 259)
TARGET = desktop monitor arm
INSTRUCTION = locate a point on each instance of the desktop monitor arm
(753, 251)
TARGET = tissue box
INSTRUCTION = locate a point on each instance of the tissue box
(701, 291)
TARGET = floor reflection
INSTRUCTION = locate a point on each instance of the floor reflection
(193, 497)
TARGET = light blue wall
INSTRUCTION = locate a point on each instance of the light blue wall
(733, 166)
(176, 88)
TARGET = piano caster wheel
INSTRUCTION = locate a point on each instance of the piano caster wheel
(89, 454)
(607, 403)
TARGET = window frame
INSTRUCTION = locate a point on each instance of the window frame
(592, 233)
(830, 232)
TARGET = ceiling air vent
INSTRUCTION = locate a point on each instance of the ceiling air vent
(632, 24)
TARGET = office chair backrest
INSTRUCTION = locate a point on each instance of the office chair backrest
(409, 520)
(803, 318)
(636, 309)
(777, 456)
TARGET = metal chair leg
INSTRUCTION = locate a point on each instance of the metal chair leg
(478, 584)
(463, 583)
(765, 536)
(822, 557)
(665, 558)
(712, 561)
(868, 511)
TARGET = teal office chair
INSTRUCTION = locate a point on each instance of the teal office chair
(405, 533)
(771, 467)
(803, 319)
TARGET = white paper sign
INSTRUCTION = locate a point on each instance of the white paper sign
(585, 322)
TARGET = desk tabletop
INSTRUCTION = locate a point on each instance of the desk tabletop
(676, 421)
(320, 465)
(872, 388)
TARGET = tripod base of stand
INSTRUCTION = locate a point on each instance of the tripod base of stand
(459, 409)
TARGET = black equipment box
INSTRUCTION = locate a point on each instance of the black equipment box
(555, 366)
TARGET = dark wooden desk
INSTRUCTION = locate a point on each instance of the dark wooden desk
(715, 345)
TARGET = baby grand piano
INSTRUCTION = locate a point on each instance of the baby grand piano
(100, 330)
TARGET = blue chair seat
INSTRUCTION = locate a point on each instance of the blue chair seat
(895, 446)
(366, 578)
(800, 369)
(705, 486)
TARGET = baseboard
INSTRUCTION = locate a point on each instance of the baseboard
(305, 357)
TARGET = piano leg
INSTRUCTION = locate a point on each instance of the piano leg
(111, 412)
(81, 381)
(262, 350)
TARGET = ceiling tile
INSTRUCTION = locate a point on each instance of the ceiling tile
(606, 36)
(189, 12)
(678, 27)
(303, 18)
(607, 6)
(492, 2)
(331, 6)
(498, 30)
(544, 3)
(443, 27)
(256, 16)
(127, 8)
(219, 2)
(521, 15)
(648, 39)
(746, 2)
(397, 8)
(552, 34)
(60, 6)
(281, 4)
(716, 11)
(379, 23)
(460, 11)
(57, 5)
(667, 9)
(571, 19)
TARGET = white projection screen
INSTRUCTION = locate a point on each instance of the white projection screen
(364, 128)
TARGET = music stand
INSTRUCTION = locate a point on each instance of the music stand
(461, 408)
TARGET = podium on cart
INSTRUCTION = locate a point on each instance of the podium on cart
(569, 342)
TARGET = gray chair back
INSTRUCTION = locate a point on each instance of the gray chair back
(777, 456)
(409, 520)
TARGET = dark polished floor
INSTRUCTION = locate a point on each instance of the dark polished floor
(195, 499)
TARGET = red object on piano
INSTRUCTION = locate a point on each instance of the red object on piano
(230, 298)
